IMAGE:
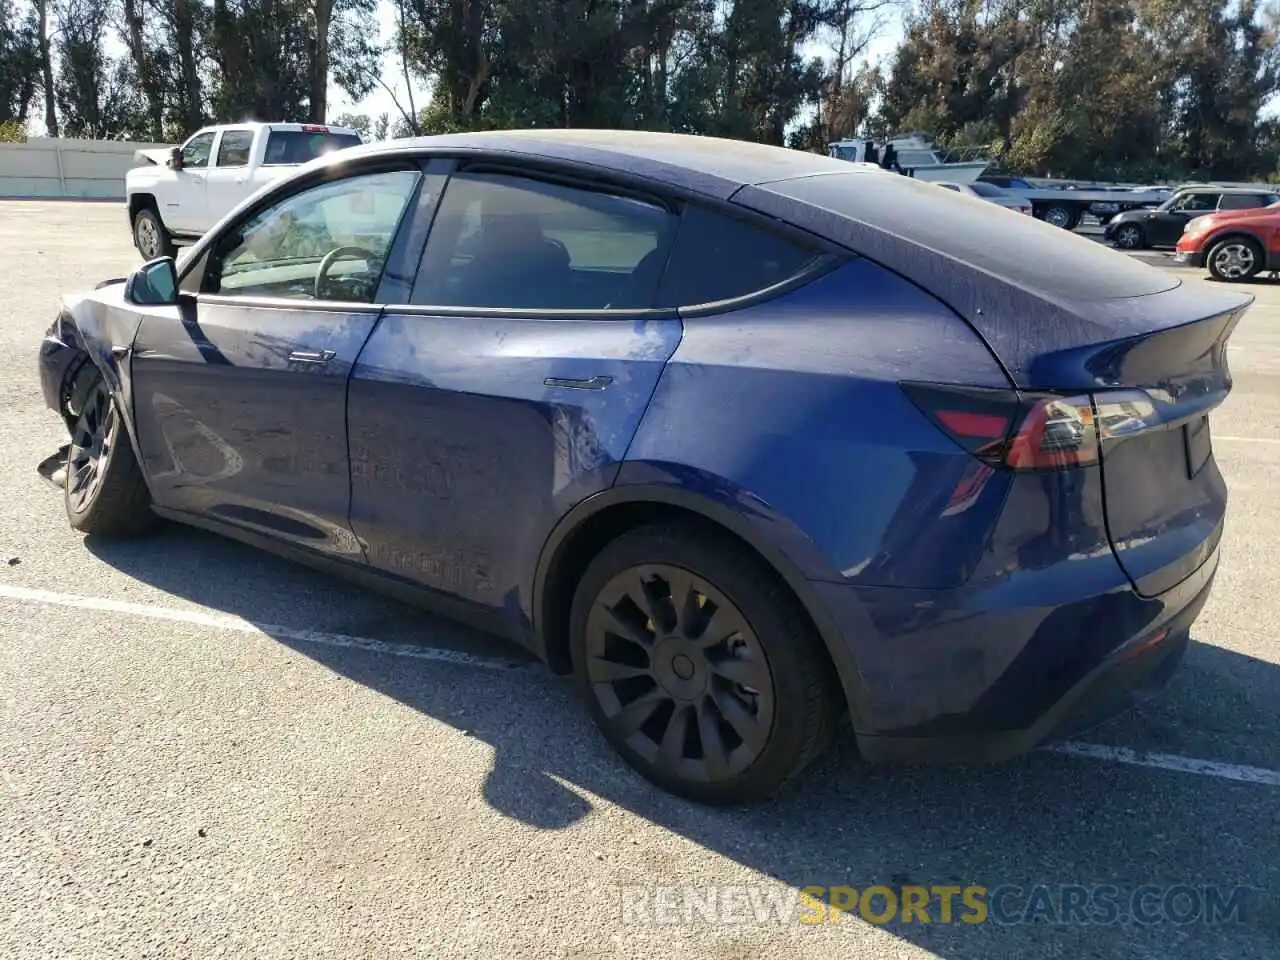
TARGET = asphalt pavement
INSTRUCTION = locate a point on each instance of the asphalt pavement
(207, 752)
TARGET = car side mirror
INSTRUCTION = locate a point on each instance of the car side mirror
(154, 284)
(175, 158)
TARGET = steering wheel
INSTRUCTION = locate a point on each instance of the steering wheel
(332, 257)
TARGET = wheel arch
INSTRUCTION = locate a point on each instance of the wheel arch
(582, 532)
(1234, 233)
(142, 201)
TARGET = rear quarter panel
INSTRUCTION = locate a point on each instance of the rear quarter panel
(790, 413)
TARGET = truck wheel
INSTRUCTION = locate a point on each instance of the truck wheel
(150, 235)
(1060, 216)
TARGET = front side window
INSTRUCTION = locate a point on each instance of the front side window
(1191, 202)
(234, 147)
(196, 152)
(505, 241)
(329, 242)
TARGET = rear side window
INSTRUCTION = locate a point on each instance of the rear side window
(302, 146)
(1243, 201)
(505, 241)
(234, 147)
(717, 257)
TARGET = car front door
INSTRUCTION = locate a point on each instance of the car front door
(239, 392)
(184, 208)
(508, 386)
(228, 178)
(1164, 227)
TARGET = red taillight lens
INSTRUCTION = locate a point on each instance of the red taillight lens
(1016, 432)
(314, 128)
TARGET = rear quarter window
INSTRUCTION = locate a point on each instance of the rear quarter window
(716, 257)
(301, 146)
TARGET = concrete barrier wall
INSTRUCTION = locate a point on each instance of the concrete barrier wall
(79, 169)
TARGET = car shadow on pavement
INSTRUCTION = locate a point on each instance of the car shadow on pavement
(1051, 839)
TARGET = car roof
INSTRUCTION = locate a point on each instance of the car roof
(1207, 187)
(709, 165)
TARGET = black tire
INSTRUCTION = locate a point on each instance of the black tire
(1235, 260)
(1129, 236)
(151, 237)
(1061, 216)
(104, 491)
(790, 706)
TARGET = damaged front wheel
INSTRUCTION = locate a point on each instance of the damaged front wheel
(104, 490)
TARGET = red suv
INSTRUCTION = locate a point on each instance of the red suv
(1235, 245)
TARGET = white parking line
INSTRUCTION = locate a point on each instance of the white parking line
(1247, 439)
(1169, 761)
(223, 621)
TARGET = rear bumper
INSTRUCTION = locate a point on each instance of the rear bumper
(1046, 674)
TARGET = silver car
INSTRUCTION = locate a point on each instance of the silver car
(989, 191)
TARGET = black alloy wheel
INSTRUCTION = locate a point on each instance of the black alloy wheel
(679, 673)
(699, 666)
(93, 442)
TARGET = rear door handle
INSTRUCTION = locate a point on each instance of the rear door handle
(576, 383)
(311, 356)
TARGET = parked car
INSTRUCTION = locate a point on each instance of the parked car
(178, 194)
(1162, 226)
(742, 443)
(1235, 246)
(991, 193)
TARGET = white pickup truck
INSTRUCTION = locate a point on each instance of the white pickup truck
(178, 194)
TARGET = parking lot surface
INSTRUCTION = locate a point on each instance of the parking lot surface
(208, 752)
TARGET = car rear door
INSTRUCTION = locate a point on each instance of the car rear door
(507, 386)
(239, 393)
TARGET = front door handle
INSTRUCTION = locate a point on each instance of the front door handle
(311, 356)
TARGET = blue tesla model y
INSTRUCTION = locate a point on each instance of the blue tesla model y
(760, 445)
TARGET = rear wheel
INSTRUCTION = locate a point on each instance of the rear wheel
(1129, 236)
(1235, 259)
(150, 235)
(698, 665)
(104, 491)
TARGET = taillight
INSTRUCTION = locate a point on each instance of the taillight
(314, 128)
(1037, 431)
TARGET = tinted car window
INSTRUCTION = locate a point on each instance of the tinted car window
(505, 241)
(196, 152)
(1243, 201)
(717, 257)
(327, 243)
(234, 147)
(302, 146)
